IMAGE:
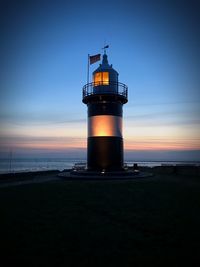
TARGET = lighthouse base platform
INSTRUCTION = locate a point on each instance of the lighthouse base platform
(95, 175)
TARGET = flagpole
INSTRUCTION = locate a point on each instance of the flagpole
(88, 68)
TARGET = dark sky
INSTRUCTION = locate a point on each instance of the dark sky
(154, 45)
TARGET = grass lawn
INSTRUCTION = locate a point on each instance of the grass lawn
(148, 222)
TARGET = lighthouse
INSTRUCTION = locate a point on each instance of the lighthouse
(105, 97)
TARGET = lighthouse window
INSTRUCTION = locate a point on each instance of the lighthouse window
(101, 78)
(105, 77)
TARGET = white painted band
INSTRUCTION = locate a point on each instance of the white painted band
(105, 125)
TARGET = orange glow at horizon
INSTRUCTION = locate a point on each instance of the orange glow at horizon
(141, 147)
(162, 145)
(75, 137)
(50, 143)
(81, 143)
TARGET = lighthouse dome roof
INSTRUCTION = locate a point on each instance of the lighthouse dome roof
(105, 66)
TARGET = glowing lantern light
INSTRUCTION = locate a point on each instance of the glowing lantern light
(101, 78)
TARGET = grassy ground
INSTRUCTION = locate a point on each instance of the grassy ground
(149, 222)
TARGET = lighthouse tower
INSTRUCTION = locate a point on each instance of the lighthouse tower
(104, 98)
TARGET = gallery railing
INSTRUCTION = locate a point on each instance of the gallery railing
(115, 88)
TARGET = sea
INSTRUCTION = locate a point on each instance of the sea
(15, 165)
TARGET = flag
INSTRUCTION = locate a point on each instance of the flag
(95, 58)
(107, 46)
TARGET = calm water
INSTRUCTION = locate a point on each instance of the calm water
(41, 164)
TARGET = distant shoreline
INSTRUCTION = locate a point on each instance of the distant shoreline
(19, 165)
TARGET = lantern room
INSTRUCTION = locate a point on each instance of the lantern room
(105, 78)
(105, 85)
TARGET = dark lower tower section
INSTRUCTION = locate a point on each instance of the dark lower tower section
(105, 153)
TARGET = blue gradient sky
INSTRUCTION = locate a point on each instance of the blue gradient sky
(154, 45)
